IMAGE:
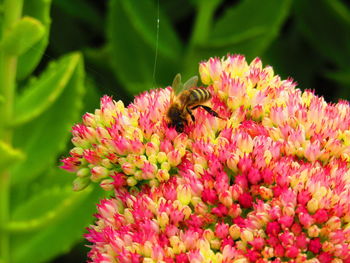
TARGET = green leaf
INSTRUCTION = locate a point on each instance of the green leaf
(9, 155)
(290, 57)
(45, 208)
(41, 93)
(50, 131)
(239, 37)
(248, 27)
(105, 83)
(342, 77)
(340, 10)
(326, 27)
(132, 33)
(143, 18)
(27, 62)
(183, 9)
(82, 10)
(24, 34)
(61, 234)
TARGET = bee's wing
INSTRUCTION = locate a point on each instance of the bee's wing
(177, 85)
(191, 83)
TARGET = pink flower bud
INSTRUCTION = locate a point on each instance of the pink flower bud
(296, 229)
(209, 195)
(254, 176)
(315, 245)
(313, 151)
(89, 120)
(151, 148)
(321, 216)
(279, 250)
(334, 223)
(257, 113)
(325, 257)
(286, 238)
(71, 164)
(291, 252)
(245, 200)
(268, 176)
(98, 172)
(128, 168)
(258, 243)
(228, 253)
(244, 164)
(220, 210)
(235, 210)
(166, 146)
(252, 255)
(305, 219)
(174, 158)
(241, 180)
(273, 228)
(301, 241)
(265, 193)
(286, 221)
(222, 230)
(107, 184)
(226, 198)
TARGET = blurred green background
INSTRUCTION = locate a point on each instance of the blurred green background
(83, 49)
(306, 40)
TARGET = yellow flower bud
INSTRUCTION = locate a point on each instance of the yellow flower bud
(313, 231)
(215, 244)
(163, 219)
(128, 216)
(131, 181)
(241, 260)
(152, 158)
(184, 194)
(235, 231)
(208, 234)
(247, 235)
(161, 157)
(312, 205)
(165, 166)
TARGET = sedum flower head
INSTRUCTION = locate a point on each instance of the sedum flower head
(269, 181)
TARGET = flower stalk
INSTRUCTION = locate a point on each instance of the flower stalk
(8, 67)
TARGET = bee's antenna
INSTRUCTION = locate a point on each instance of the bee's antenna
(157, 40)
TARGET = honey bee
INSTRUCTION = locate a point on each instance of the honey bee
(185, 98)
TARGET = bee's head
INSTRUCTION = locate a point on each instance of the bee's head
(176, 119)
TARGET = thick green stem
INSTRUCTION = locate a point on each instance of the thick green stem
(203, 22)
(8, 68)
(201, 29)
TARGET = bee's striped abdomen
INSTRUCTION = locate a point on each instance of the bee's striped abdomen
(197, 96)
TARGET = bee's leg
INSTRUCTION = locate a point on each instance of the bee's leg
(191, 114)
(208, 109)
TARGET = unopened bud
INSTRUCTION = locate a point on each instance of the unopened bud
(80, 183)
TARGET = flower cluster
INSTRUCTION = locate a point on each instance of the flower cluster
(269, 181)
